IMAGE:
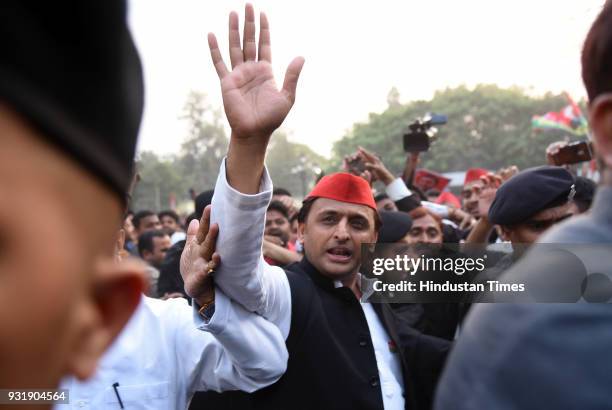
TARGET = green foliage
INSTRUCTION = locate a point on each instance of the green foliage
(292, 166)
(197, 164)
(487, 126)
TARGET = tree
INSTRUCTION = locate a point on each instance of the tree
(292, 166)
(159, 179)
(205, 145)
(487, 126)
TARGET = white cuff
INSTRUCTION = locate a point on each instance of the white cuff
(219, 319)
(246, 201)
(397, 190)
(438, 209)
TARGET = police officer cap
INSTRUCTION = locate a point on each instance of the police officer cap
(395, 225)
(530, 192)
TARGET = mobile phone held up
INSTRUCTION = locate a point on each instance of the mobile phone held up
(356, 166)
(421, 132)
(573, 153)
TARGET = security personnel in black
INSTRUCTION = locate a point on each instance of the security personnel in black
(525, 207)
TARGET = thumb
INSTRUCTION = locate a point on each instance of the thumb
(291, 77)
(192, 231)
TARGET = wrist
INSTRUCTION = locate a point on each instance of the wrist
(387, 178)
(205, 298)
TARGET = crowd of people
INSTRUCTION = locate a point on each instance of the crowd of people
(256, 300)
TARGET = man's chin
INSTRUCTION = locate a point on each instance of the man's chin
(337, 271)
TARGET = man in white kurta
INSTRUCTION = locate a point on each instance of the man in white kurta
(167, 352)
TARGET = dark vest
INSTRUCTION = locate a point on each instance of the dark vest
(331, 358)
(332, 364)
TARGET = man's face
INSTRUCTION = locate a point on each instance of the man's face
(160, 247)
(52, 261)
(148, 223)
(168, 224)
(424, 230)
(470, 195)
(332, 236)
(277, 225)
(529, 231)
(386, 205)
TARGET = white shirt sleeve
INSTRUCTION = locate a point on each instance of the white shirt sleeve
(243, 275)
(397, 190)
(246, 353)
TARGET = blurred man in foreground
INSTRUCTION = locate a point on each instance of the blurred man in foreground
(534, 356)
(68, 139)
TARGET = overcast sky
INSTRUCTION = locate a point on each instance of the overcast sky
(356, 51)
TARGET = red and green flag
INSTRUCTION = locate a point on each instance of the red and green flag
(569, 119)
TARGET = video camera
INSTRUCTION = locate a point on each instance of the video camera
(422, 131)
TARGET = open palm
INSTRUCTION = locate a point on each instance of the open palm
(254, 105)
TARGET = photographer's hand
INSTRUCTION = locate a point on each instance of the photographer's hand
(376, 167)
(253, 104)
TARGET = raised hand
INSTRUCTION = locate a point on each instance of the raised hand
(491, 183)
(199, 259)
(254, 105)
(376, 167)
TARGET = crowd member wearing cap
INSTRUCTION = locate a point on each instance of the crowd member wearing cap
(552, 356)
(472, 185)
(403, 198)
(342, 354)
(531, 202)
(68, 142)
(526, 205)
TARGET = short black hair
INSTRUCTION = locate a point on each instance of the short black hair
(145, 240)
(139, 216)
(171, 214)
(281, 191)
(307, 204)
(585, 191)
(279, 207)
(380, 197)
(597, 55)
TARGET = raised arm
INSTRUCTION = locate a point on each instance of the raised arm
(255, 107)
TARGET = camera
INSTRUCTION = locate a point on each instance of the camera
(421, 132)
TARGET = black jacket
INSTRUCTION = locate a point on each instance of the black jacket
(332, 364)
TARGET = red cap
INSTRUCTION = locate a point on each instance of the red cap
(473, 174)
(425, 180)
(344, 187)
(448, 197)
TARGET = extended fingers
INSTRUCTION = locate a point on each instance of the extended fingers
(265, 49)
(236, 56)
(249, 48)
(216, 56)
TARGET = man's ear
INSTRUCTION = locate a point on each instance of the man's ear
(117, 291)
(505, 233)
(300, 231)
(600, 117)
